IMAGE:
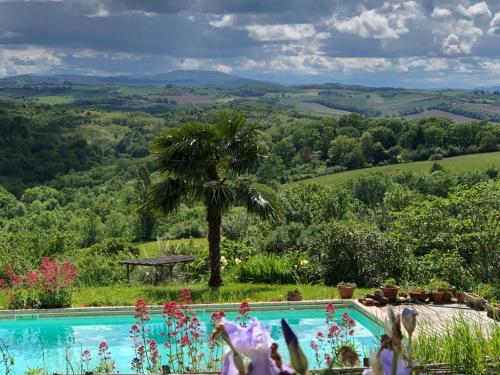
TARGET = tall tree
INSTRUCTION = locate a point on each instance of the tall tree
(209, 162)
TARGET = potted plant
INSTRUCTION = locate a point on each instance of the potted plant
(493, 309)
(419, 294)
(436, 293)
(346, 290)
(390, 289)
(449, 291)
(460, 297)
(294, 295)
(474, 300)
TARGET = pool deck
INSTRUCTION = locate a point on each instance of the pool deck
(433, 317)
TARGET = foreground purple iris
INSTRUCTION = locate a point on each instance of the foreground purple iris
(254, 342)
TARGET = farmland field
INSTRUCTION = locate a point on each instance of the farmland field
(439, 113)
(320, 108)
(462, 163)
(54, 99)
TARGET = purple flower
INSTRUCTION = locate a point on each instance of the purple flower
(386, 358)
(254, 342)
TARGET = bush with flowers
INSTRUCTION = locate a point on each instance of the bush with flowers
(49, 286)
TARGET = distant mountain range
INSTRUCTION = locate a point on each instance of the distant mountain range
(178, 77)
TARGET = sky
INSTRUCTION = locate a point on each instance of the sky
(426, 43)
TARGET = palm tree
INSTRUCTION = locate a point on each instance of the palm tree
(208, 162)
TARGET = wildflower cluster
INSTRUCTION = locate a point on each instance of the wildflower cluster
(183, 334)
(215, 344)
(47, 287)
(243, 311)
(105, 365)
(146, 351)
(327, 345)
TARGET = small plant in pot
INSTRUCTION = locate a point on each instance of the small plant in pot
(436, 292)
(460, 297)
(390, 289)
(294, 295)
(449, 291)
(346, 290)
(493, 309)
(419, 294)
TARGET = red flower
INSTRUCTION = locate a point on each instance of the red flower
(185, 341)
(330, 308)
(185, 297)
(141, 311)
(244, 308)
(217, 316)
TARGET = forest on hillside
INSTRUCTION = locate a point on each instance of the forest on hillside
(74, 181)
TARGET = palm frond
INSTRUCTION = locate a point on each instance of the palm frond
(219, 194)
(257, 201)
(165, 196)
(187, 150)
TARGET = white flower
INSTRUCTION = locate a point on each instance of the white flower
(223, 261)
(237, 261)
(304, 262)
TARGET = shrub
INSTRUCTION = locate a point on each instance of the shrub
(352, 252)
(448, 267)
(99, 264)
(47, 287)
(265, 269)
(232, 253)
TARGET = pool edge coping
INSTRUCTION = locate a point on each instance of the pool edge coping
(157, 309)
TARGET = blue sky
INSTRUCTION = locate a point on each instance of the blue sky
(427, 43)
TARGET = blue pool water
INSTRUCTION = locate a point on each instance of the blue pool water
(63, 339)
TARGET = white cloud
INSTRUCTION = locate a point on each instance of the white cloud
(30, 60)
(93, 54)
(495, 24)
(440, 12)
(476, 10)
(461, 38)
(223, 68)
(101, 11)
(387, 22)
(189, 64)
(271, 33)
(226, 20)
(9, 34)
(428, 65)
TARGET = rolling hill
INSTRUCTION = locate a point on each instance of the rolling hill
(461, 163)
(178, 77)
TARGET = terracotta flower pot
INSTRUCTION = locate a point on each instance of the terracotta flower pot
(346, 292)
(437, 297)
(493, 311)
(419, 296)
(294, 297)
(461, 297)
(448, 293)
(390, 293)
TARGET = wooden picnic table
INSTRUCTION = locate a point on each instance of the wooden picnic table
(159, 263)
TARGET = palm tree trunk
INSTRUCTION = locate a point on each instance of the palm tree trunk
(214, 220)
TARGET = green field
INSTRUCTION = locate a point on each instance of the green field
(462, 163)
(150, 249)
(54, 99)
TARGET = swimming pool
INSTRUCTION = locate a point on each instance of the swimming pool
(56, 344)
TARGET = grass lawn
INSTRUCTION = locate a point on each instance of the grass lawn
(125, 295)
(463, 163)
(150, 249)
